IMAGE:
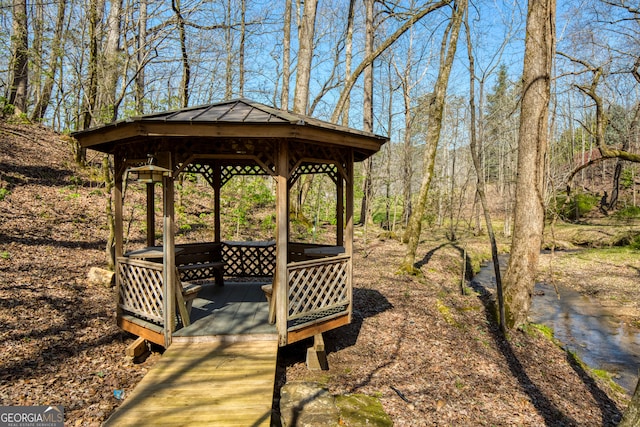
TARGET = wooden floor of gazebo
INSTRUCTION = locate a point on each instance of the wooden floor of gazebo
(237, 311)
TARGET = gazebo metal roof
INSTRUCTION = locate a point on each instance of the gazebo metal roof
(240, 118)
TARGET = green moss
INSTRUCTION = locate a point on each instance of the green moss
(544, 330)
(446, 312)
(362, 410)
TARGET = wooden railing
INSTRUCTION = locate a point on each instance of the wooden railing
(249, 259)
(318, 290)
(141, 292)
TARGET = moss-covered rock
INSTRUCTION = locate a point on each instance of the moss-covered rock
(358, 410)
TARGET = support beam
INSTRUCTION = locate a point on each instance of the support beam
(217, 186)
(348, 244)
(169, 259)
(317, 356)
(279, 297)
(151, 217)
(340, 210)
(118, 229)
(137, 348)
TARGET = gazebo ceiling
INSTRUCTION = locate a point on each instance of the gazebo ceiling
(237, 119)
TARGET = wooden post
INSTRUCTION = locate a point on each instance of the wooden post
(169, 260)
(217, 185)
(151, 218)
(316, 355)
(117, 200)
(348, 243)
(340, 209)
(279, 297)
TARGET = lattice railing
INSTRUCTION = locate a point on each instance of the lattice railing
(249, 259)
(318, 290)
(141, 288)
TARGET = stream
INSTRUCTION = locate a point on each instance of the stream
(599, 337)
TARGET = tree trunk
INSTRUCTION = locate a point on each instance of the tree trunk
(186, 67)
(243, 31)
(532, 145)
(92, 89)
(20, 39)
(112, 65)
(348, 58)
(54, 60)
(306, 35)
(435, 111)
(480, 193)
(367, 108)
(631, 416)
(286, 57)
(141, 56)
(228, 87)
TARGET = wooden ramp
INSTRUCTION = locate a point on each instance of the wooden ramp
(205, 384)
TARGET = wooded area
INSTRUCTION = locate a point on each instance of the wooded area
(393, 68)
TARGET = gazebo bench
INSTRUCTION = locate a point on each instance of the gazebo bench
(197, 261)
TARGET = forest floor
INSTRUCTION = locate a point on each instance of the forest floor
(431, 353)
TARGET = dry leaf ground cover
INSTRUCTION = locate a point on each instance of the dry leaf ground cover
(432, 355)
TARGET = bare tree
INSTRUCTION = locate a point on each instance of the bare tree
(367, 107)
(353, 77)
(475, 155)
(141, 54)
(20, 57)
(55, 57)
(305, 55)
(186, 66)
(532, 146)
(286, 56)
(435, 111)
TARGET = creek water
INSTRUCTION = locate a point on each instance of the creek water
(600, 338)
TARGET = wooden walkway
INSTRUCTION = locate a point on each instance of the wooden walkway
(205, 384)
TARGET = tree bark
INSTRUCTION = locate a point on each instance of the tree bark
(631, 417)
(348, 58)
(228, 87)
(20, 68)
(481, 193)
(367, 107)
(532, 146)
(112, 65)
(186, 67)
(435, 111)
(54, 60)
(286, 57)
(243, 35)
(141, 56)
(306, 35)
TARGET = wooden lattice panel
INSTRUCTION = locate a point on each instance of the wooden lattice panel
(203, 169)
(316, 168)
(141, 288)
(229, 172)
(249, 260)
(317, 289)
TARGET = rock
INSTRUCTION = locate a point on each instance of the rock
(358, 410)
(100, 276)
(305, 404)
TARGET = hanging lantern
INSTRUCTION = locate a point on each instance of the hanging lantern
(150, 173)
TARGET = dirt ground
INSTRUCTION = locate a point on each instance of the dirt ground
(432, 355)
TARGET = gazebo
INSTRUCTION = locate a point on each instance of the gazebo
(310, 285)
